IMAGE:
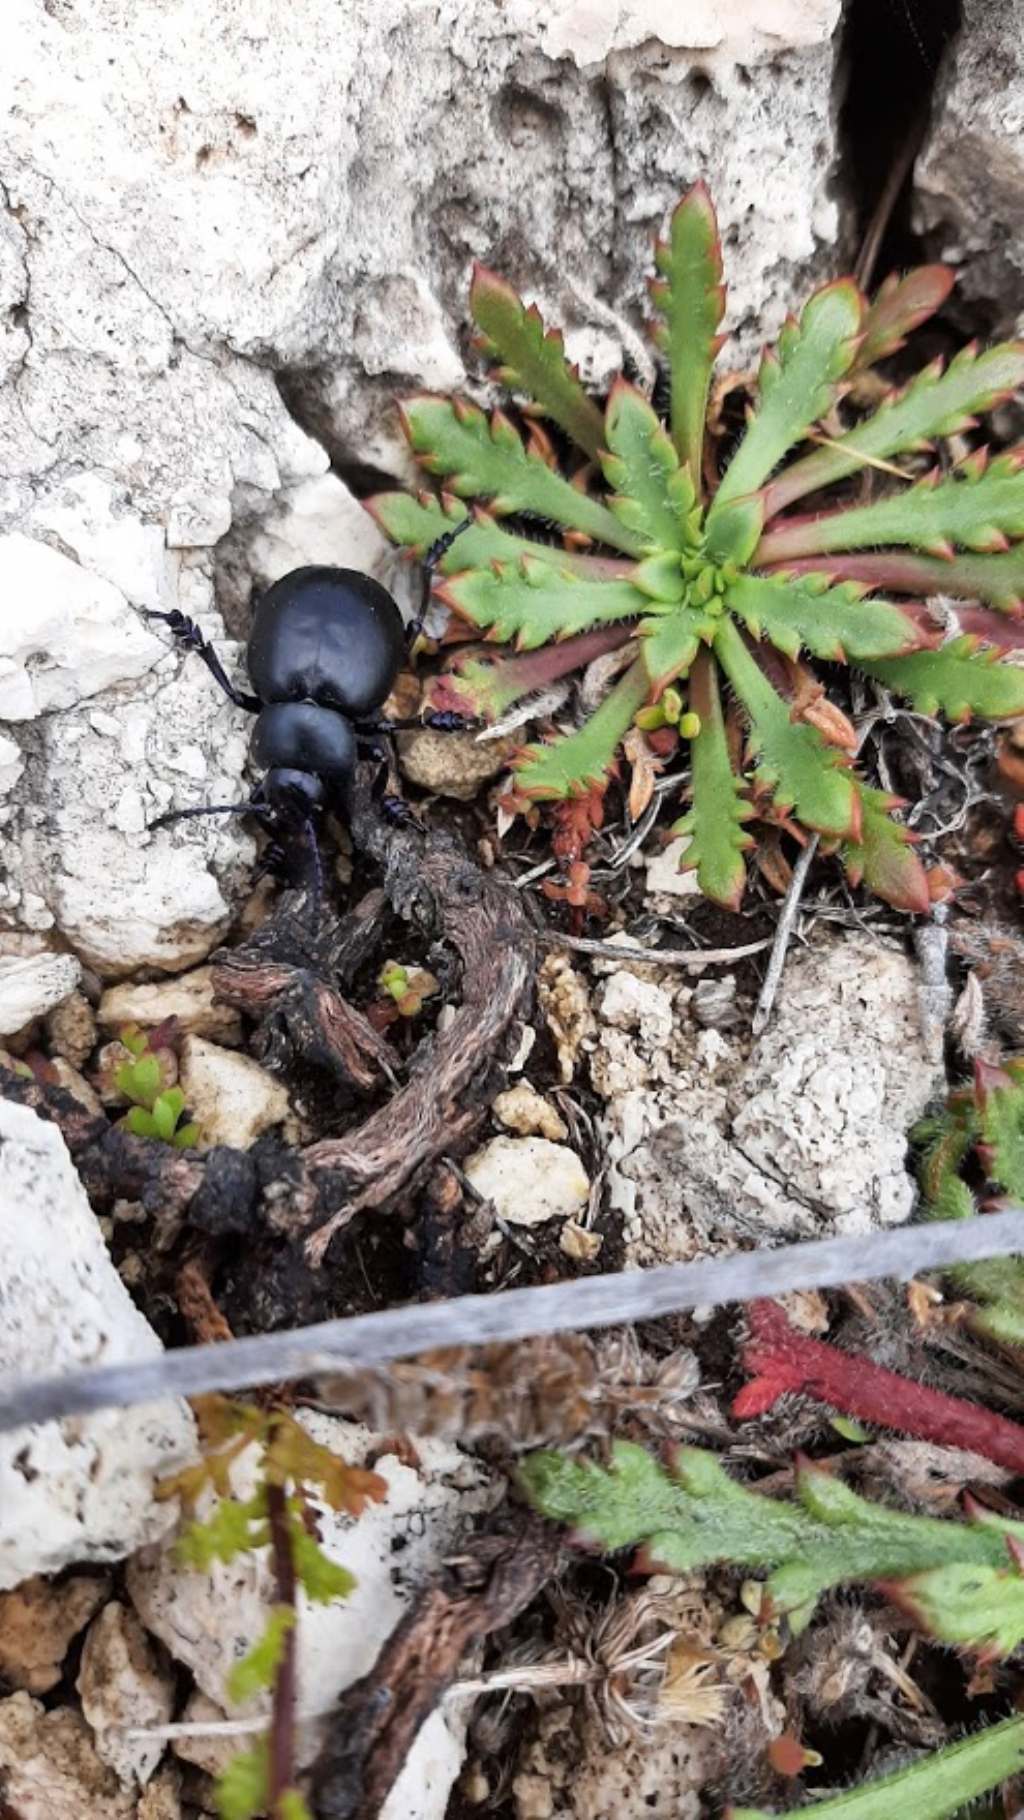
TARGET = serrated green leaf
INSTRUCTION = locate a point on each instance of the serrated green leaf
(929, 1788)
(241, 1788)
(530, 602)
(695, 1515)
(533, 358)
(973, 1607)
(834, 623)
(258, 1667)
(234, 1526)
(794, 763)
(883, 857)
(933, 404)
(690, 297)
(670, 642)
(651, 496)
(714, 822)
(998, 579)
(958, 680)
(901, 303)
(485, 458)
(484, 686)
(1000, 1109)
(322, 1579)
(797, 384)
(581, 761)
(974, 514)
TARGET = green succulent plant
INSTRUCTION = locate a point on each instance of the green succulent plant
(973, 1159)
(710, 578)
(156, 1110)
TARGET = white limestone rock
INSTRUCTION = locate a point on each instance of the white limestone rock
(969, 179)
(80, 1489)
(231, 1098)
(529, 1179)
(123, 1685)
(33, 985)
(189, 998)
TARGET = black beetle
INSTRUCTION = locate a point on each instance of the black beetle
(325, 648)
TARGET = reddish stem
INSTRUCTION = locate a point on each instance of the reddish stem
(281, 1766)
(781, 1360)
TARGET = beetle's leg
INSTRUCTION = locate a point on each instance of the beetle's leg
(191, 638)
(432, 556)
(183, 815)
(438, 720)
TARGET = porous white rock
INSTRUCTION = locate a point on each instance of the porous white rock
(320, 520)
(525, 1111)
(123, 1685)
(49, 1769)
(231, 1098)
(32, 986)
(452, 764)
(529, 1179)
(663, 874)
(969, 178)
(209, 1620)
(188, 998)
(80, 1489)
(804, 1134)
(629, 1003)
(77, 855)
(38, 1621)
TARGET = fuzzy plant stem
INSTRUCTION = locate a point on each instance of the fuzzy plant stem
(281, 1763)
(928, 1789)
(782, 1360)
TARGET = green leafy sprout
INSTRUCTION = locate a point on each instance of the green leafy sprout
(156, 1109)
(973, 1159)
(278, 1516)
(960, 1581)
(715, 586)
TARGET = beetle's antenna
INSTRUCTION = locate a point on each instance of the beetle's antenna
(316, 868)
(182, 815)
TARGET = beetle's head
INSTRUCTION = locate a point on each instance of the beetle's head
(295, 796)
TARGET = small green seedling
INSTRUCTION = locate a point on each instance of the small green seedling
(279, 1516)
(156, 1109)
(700, 572)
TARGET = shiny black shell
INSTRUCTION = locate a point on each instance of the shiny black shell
(325, 635)
(302, 736)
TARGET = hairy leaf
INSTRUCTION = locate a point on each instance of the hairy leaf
(652, 495)
(973, 512)
(797, 385)
(486, 457)
(532, 358)
(530, 601)
(998, 579)
(794, 764)
(241, 1788)
(935, 403)
(883, 857)
(484, 686)
(670, 643)
(718, 810)
(831, 622)
(694, 1515)
(959, 680)
(929, 1787)
(582, 761)
(689, 296)
(900, 305)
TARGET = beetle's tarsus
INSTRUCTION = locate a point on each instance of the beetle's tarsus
(189, 636)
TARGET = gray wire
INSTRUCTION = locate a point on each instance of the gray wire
(511, 1314)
